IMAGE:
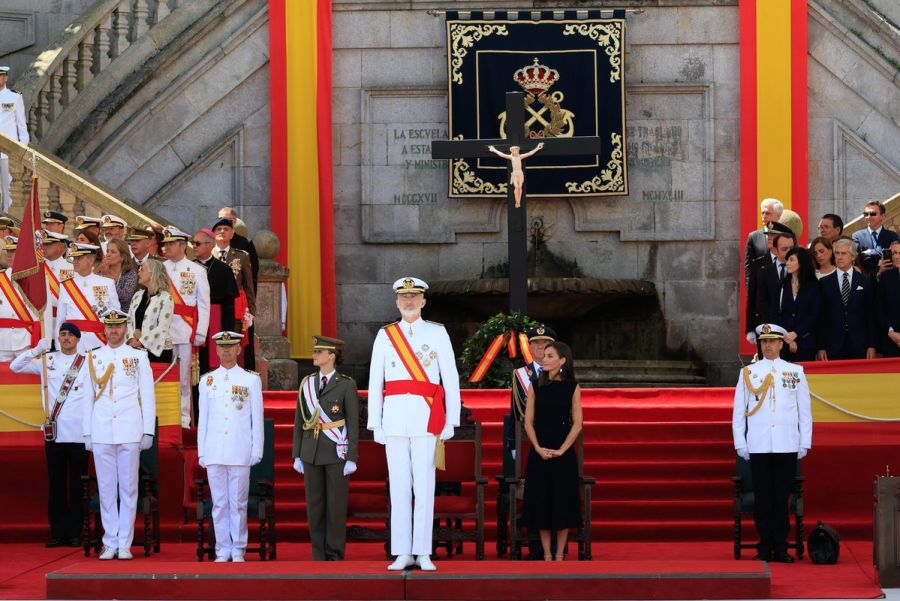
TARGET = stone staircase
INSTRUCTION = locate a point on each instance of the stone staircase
(606, 373)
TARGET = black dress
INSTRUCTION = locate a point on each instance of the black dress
(552, 500)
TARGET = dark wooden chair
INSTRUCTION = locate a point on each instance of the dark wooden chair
(519, 536)
(147, 504)
(459, 492)
(260, 504)
(743, 504)
(368, 508)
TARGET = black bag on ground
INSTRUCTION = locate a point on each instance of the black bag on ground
(824, 544)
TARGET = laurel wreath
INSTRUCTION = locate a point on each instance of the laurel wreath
(500, 372)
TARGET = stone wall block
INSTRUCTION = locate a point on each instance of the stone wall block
(355, 267)
(399, 67)
(723, 260)
(699, 299)
(364, 29)
(367, 302)
(347, 70)
(421, 261)
(417, 29)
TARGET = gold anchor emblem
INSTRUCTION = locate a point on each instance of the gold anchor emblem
(536, 80)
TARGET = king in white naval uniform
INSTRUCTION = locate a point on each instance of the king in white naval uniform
(84, 296)
(65, 375)
(14, 125)
(229, 441)
(118, 425)
(772, 428)
(191, 319)
(402, 417)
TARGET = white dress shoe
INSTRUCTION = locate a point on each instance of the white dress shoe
(237, 558)
(108, 553)
(425, 564)
(401, 563)
(125, 554)
(222, 559)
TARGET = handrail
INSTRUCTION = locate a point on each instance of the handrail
(891, 217)
(77, 183)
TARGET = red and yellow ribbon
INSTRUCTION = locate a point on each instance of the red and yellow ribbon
(509, 339)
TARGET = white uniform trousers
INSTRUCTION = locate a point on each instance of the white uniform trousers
(5, 181)
(229, 486)
(183, 352)
(411, 469)
(117, 468)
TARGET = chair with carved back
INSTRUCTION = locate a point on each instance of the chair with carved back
(743, 504)
(369, 504)
(260, 504)
(519, 535)
(459, 491)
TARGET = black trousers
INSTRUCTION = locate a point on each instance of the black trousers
(67, 462)
(773, 476)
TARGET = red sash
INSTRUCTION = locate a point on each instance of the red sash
(90, 323)
(187, 312)
(21, 310)
(419, 384)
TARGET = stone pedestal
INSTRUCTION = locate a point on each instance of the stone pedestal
(274, 349)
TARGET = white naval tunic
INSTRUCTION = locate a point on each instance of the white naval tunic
(13, 124)
(70, 421)
(13, 341)
(100, 292)
(404, 420)
(783, 423)
(116, 422)
(229, 440)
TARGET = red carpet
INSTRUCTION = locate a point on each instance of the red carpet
(645, 565)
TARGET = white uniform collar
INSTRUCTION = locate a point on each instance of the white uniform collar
(412, 327)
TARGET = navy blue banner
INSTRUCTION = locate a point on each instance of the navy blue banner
(572, 71)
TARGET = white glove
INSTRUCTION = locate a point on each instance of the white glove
(513, 453)
(349, 468)
(43, 346)
(202, 462)
(447, 432)
(744, 454)
(146, 441)
(88, 445)
(802, 453)
(751, 337)
(378, 435)
(298, 465)
(199, 340)
(254, 459)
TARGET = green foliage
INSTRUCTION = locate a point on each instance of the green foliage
(500, 372)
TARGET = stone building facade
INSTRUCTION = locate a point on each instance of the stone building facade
(184, 130)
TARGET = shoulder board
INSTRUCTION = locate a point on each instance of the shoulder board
(390, 324)
(160, 259)
(142, 349)
(434, 323)
(239, 251)
(250, 371)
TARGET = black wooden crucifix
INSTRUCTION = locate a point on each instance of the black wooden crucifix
(517, 244)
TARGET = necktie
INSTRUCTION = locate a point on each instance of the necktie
(221, 255)
(845, 289)
(874, 240)
(781, 272)
(323, 383)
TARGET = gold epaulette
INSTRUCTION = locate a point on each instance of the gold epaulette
(433, 322)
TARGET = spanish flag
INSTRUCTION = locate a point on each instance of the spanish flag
(302, 176)
(774, 115)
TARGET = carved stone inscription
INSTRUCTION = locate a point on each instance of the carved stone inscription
(409, 146)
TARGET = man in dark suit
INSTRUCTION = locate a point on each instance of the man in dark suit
(222, 290)
(241, 243)
(872, 240)
(770, 279)
(753, 317)
(889, 305)
(239, 262)
(847, 322)
(757, 243)
(326, 447)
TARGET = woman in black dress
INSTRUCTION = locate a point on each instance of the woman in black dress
(799, 307)
(553, 422)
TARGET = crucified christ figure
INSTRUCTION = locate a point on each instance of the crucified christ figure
(517, 178)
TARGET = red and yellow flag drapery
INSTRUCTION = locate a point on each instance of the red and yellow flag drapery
(774, 129)
(300, 64)
(509, 339)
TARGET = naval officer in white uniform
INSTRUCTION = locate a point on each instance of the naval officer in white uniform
(402, 419)
(229, 441)
(772, 428)
(93, 295)
(13, 124)
(118, 425)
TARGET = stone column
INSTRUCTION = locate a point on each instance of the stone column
(273, 358)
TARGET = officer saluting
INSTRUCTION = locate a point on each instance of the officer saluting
(326, 447)
(413, 401)
(119, 423)
(229, 441)
(65, 376)
(772, 428)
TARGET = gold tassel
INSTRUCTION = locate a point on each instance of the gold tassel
(195, 366)
(439, 456)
